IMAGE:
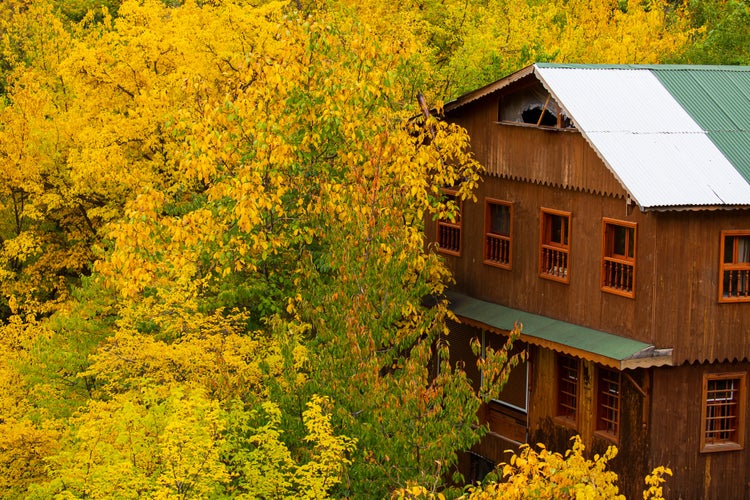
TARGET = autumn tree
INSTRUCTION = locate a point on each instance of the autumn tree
(305, 187)
(543, 474)
(238, 184)
(722, 33)
(212, 262)
(467, 44)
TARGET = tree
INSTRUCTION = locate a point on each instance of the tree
(231, 179)
(543, 474)
(310, 186)
(467, 44)
(211, 233)
(721, 33)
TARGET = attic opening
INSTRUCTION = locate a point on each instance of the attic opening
(532, 105)
(538, 115)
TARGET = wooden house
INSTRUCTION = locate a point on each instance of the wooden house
(613, 223)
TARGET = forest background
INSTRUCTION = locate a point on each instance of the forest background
(212, 264)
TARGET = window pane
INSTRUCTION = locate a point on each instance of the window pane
(558, 229)
(729, 249)
(735, 267)
(452, 199)
(618, 263)
(608, 401)
(631, 242)
(722, 406)
(449, 228)
(567, 387)
(553, 252)
(622, 241)
(497, 238)
(736, 249)
(743, 249)
(500, 219)
(620, 237)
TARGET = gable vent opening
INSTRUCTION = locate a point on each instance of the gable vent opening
(532, 105)
(538, 115)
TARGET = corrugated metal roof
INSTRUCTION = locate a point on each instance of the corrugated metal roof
(613, 350)
(717, 98)
(670, 134)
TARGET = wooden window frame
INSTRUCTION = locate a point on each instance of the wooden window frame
(729, 267)
(496, 243)
(608, 405)
(618, 270)
(562, 390)
(737, 440)
(550, 251)
(455, 227)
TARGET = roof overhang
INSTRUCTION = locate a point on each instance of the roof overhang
(654, 111)
(600, 347)
(487, 89)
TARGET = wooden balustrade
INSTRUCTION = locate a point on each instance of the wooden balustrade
(737, 283)
(618, 275)
(449, 237)
(497, 249)
(554, 262)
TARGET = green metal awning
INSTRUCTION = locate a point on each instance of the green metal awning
(601, 347)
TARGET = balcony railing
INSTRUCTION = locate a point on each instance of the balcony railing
(554, 263)
(497, 249)
(737, 283)
(449, 237)
(618, 275)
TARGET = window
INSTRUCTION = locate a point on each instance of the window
(568, 376)
(449, 231)
(532, 106)
(555, 245)
(618, 259)
(723, 413)
(735, 266)
(608, 403)
(497, 233)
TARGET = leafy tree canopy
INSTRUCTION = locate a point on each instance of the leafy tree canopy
(212, 264)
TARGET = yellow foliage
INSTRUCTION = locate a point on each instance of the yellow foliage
(330, 452)
(178, 442)
(141, 443)
(208, 350)
(24, 443)
(543, 474)
(654, 482)
(24, 448)
(254, 185)
(595, 31)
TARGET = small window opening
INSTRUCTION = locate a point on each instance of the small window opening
(532, 105)
(538, 115)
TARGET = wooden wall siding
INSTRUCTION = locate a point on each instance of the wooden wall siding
(581, 301)
(687, 246)
(632, 462)
(556, 157)
(459, 340)
(495, 448)
(676, 427)
(677, 270)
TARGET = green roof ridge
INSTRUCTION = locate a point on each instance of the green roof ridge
(652, 67)
(714, 100)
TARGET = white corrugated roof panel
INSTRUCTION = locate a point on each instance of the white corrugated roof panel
(660, 154)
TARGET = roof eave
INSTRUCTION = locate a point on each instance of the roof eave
(691, 208)
(627, 354)
(487, 89)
